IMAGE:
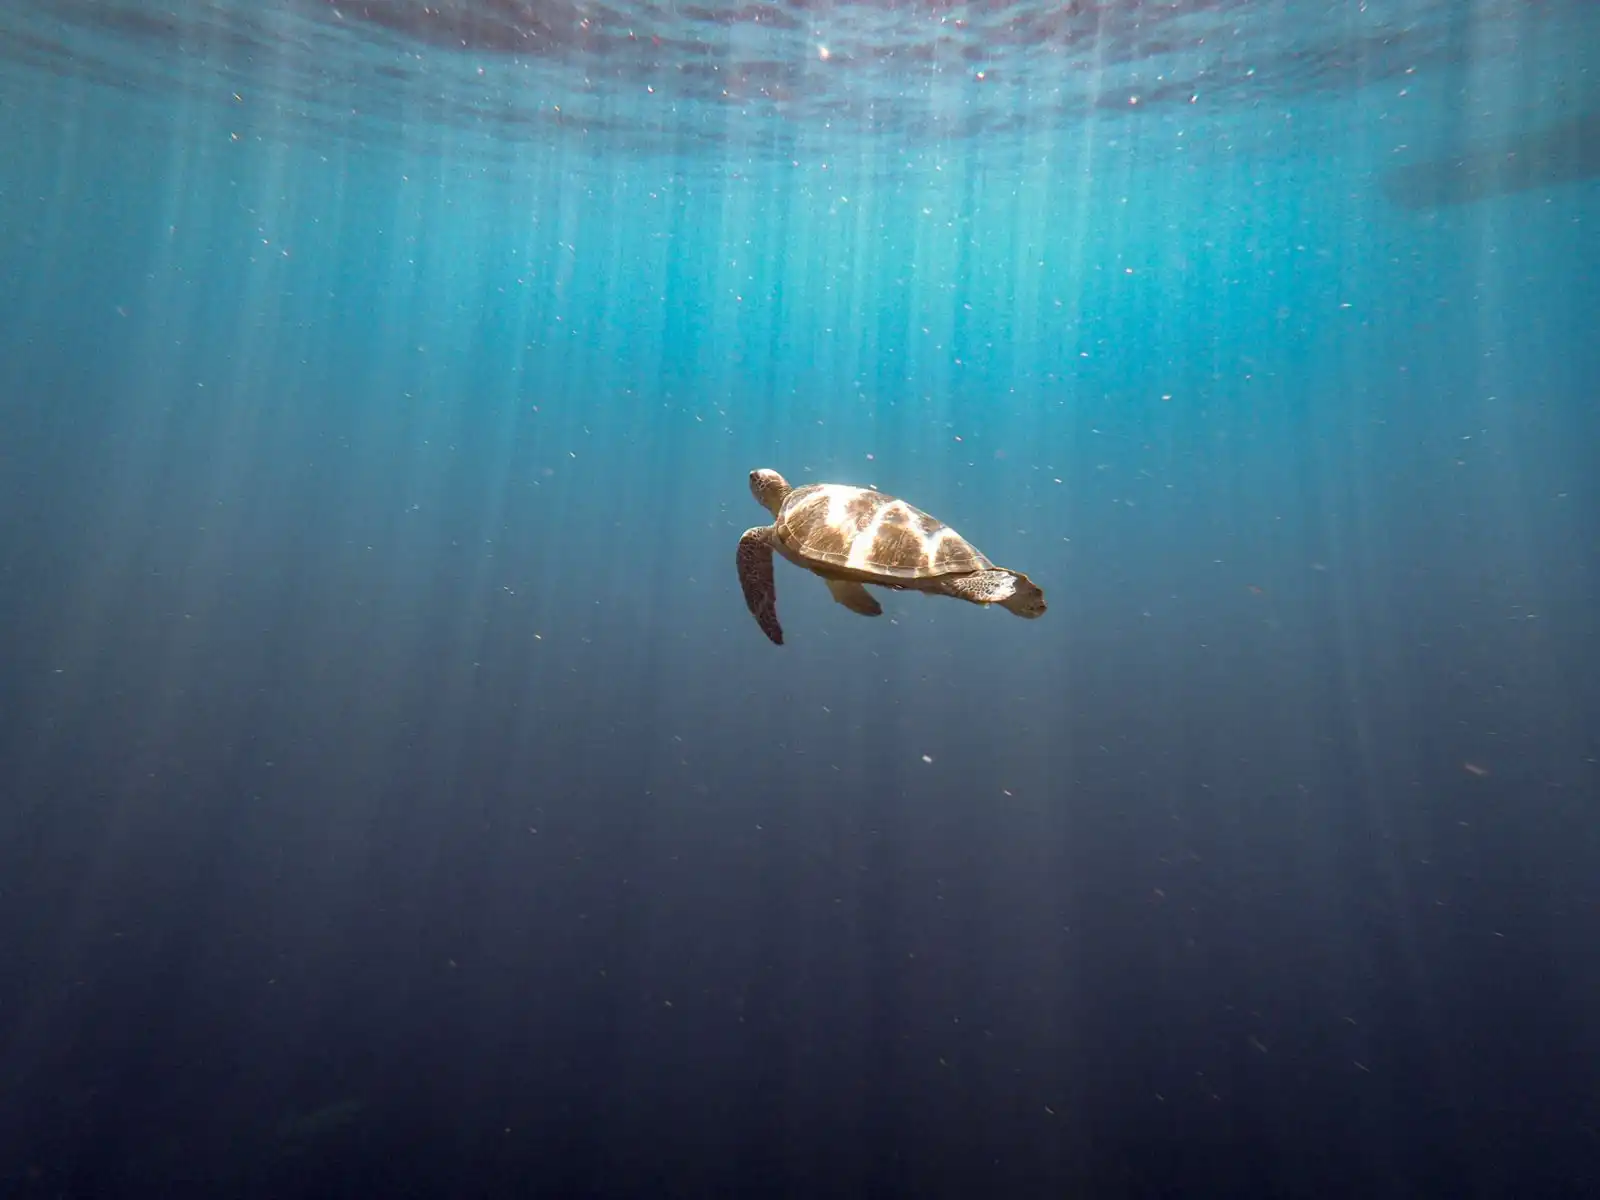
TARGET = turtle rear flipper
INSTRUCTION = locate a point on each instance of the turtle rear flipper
(1012, 590)
(755, 577)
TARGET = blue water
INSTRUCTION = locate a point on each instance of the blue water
(396, 797)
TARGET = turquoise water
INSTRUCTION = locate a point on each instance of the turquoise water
(380, 391)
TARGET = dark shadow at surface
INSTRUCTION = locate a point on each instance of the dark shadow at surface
(1564, 152)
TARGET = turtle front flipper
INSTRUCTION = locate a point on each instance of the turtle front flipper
(854, 597)
(755, 577)
(1012, 590)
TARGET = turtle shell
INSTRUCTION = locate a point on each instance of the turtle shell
(859, 530)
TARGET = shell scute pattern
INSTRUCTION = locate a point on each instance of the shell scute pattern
(863, 530)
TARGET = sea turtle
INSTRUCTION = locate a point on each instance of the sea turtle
(852, 536)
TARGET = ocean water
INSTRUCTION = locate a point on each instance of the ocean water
(397, 799)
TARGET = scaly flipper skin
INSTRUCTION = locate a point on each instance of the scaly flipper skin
(1011, 590)
(854, 597)
(755, 577)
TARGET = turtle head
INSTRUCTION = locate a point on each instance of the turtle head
(769, 488)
